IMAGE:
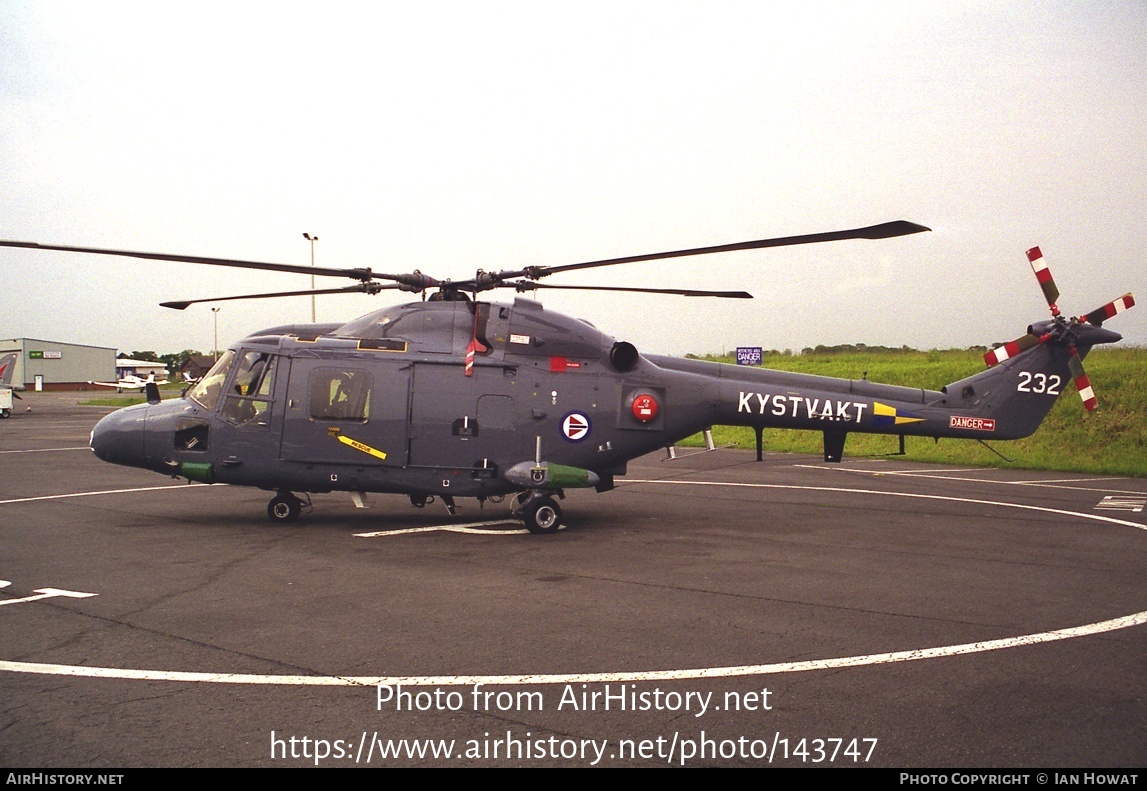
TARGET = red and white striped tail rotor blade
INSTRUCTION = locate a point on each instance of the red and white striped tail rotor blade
(1111, 309)
(1082, 383)
(1010, 349)
(1043, 275)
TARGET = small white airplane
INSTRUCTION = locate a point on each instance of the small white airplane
(130, 382)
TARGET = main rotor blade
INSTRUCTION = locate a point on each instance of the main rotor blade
(526, 285)
(358, 274)
(362, 288)
(882, 231)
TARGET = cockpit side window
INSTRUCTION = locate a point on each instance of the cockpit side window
(253, 375)
(249, 395)
(340, 394)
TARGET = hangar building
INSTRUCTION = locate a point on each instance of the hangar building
(54, 365)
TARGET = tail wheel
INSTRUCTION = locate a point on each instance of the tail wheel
(284, 508)
(542, 515)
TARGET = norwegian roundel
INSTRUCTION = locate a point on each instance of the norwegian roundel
(575, 427)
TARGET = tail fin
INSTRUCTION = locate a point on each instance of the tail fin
(1017, 394)
(7, 368)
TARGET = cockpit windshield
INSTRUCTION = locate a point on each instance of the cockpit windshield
(207, 391)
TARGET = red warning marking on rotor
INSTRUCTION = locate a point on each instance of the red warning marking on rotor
(645, 407)
(575, 427)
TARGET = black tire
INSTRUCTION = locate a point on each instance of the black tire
(542, 516)
(284, 508)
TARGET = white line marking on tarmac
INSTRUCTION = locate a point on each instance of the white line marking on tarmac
(584, 678)
(890, 472)
(48, 593)
(1063, 480)
(176, 488)
(1046, 484)
(44, 450)
(1134, 504)
(469, 527)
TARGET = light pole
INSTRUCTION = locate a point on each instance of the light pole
(215, 349)
(312, 240)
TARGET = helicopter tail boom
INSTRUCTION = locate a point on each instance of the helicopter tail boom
(1007, 401)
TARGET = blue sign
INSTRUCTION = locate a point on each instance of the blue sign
(748, 355)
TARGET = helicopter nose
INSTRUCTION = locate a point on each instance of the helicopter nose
(118, 437)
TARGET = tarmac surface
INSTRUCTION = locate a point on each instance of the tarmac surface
(712, 610)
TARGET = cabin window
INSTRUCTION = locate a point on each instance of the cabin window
(340, 394)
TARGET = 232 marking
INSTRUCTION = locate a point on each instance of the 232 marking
(1039, 383)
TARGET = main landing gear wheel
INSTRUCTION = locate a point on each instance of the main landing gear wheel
(542, 515)
(284, 508)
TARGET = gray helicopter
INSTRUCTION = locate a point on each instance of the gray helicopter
(458, 397)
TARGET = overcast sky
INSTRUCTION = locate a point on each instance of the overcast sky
(456, 136)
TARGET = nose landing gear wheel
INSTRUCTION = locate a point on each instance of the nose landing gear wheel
(542, 515)
(284, 508)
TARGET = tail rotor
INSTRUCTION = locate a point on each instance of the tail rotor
(1084, 330)
(1046, 281)
(1113, 308)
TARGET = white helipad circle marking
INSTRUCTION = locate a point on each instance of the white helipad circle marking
(846, 490)
(582, 678)
(1136, 619)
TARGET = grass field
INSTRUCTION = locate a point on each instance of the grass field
(1113, 439)
(172, 390)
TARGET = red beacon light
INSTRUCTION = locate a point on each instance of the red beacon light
(645, 407)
